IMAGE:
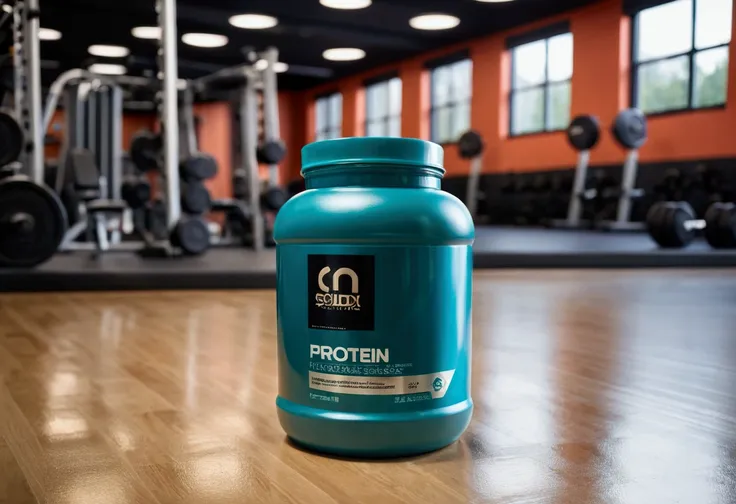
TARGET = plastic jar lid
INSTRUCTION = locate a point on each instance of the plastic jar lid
(372, 151)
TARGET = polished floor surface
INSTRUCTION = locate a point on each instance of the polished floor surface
(590, 387)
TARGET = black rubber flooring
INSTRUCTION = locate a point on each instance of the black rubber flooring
(234, 268)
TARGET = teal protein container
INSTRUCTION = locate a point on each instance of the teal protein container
(374, 268)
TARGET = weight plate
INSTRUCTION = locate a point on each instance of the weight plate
(655, 222)
(198, 167)
(136, 193)
(678, 235)
(720, 230)
(32, 223)
(273, 199)
(727, 228)
(272, 152)
(11, 138)
(584, 132)
(630, 128)
(470, 145)
(192, 236)
(144, 151)
(195, 198)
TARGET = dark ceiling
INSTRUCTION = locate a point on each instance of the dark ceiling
(305, 30)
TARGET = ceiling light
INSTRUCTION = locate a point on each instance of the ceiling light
(7, 8)
(346, 4)
(48, 34)
(146, 32)
(278, 67)
(208, 40)
(494, 1)
(434, 22)
(253, 21)
(108, 51)
(343, 54)
(107, 69)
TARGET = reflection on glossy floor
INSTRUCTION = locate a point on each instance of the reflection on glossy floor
(590, 387)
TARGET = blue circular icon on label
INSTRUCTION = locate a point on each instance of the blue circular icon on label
(437, 384)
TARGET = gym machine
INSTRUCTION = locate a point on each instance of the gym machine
(32, 218)
(89, 174)
(583, 134)
(630, 131)
(674, 225)
(471, 146)
(255, 142)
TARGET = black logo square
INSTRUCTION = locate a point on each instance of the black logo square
(341, 292)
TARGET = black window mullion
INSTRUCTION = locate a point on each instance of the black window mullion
(691, 76)
(546, 86)
(634, 84)
(511, 94)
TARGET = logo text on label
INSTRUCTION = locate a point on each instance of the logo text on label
(332, 298)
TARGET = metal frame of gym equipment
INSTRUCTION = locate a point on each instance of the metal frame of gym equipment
(626, 197)
(246, 105)
(626, 191)
(575, 208)
(93, 117)
(27, 92)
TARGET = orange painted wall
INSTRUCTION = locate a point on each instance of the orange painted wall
(600, 86)
(215, 139)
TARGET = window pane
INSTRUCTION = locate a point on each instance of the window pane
(441, 125)
(559, 66)
(665, 30)
(558, 106)
(460, 121)
(663, 85)
(527, 111)
(441, 85)
(529, 64)
(462, 80)
(370, 102)
(375, 128)
(711, 77)
(394, 96)
(380, 104)
(336, 112)
(712, 22)
(394, 126)
(321, 114)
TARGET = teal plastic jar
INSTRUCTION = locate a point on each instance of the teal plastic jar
(374, 268)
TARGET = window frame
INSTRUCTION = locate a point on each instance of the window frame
(386, 118)
(691, 55)
(545, 85)
(321, 134)
(451, 105)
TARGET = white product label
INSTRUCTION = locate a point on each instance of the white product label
(435, 383)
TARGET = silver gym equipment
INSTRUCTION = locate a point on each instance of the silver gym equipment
(575, 208)
(626, 197)
(255, 96)
(583, 134)
(629, 129)
(27, 67)
(93, 106)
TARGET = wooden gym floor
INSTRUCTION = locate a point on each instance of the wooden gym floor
(590, 387)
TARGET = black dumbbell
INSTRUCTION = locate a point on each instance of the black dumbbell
(136, 192)
(674, 224)
(195, 198)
